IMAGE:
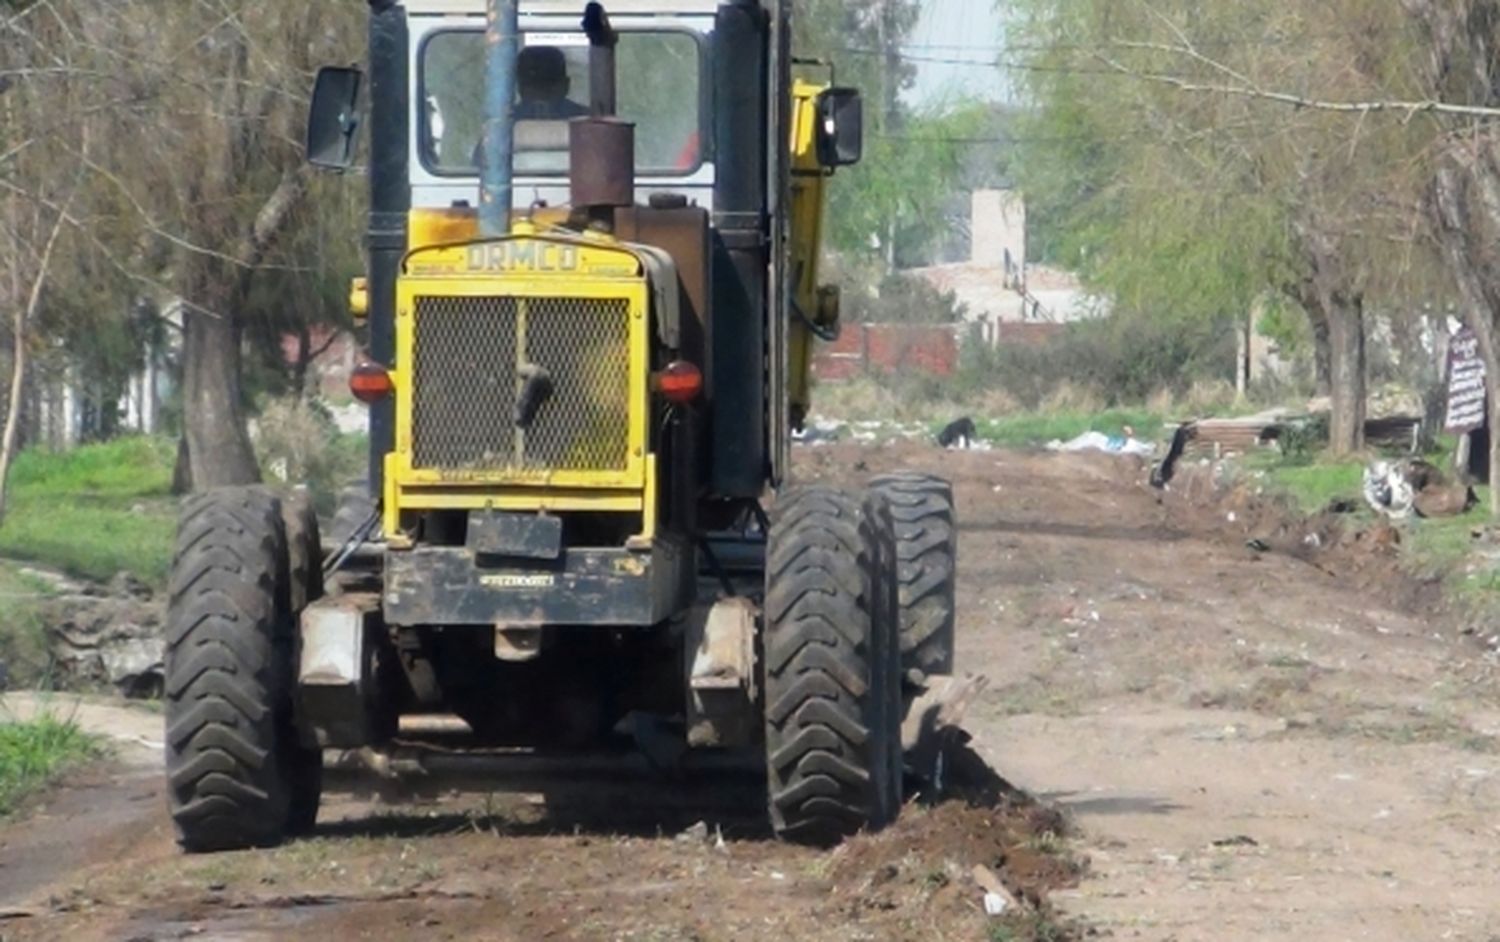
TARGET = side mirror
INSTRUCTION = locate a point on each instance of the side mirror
(333, 119)
(841, 127)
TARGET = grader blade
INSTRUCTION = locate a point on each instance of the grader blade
(934, 719)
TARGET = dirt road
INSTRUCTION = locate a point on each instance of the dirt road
(1249, 745)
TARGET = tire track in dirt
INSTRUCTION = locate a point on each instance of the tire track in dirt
(622, 863)
(1253, 745)
(1247, 745)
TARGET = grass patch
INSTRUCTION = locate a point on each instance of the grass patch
(1432, 548)
(1438, 545)
(1313, 486)
(1444, 548)
(35, 751)
(1032, 927)
(1040, 428)
(94, 511)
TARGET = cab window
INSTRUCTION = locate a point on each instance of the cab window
(658, 85)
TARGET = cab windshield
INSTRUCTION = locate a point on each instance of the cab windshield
(657, 84)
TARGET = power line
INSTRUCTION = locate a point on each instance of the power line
(954, 51)
(983, 63)
(1048, 138)
(1226, 43)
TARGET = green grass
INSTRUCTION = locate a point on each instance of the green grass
(1444, 548)
(1030, 926)
(1034, 429)
(1431, 548)
(33, 752)
(94, 511)
(1313, 486)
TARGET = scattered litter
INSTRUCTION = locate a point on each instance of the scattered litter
(1126, 444)
(695, 834)
(1231, 516)
(1398, 489)
(996, 897)
(1238, 840)
(777, 875)
(1387, 490)
(1258, 545)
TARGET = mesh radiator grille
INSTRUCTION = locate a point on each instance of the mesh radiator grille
(466, 358)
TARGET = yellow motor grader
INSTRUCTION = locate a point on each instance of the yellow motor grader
(591, 297)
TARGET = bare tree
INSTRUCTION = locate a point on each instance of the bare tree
(24, 313)
(1324, 184)
(1461, 42)
(195, 192)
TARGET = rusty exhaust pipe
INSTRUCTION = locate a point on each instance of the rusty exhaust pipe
(601, 147)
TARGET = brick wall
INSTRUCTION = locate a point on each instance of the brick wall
(888, 348)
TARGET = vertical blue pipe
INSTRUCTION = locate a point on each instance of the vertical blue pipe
(502, 49)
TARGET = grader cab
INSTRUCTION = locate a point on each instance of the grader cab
(591, 298)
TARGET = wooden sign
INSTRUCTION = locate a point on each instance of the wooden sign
(1466, 393)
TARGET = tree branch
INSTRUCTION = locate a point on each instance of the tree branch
(1251, 91)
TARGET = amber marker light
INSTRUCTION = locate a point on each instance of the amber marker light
(679, 382)
(370, 383)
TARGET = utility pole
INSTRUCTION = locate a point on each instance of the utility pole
(888, 63)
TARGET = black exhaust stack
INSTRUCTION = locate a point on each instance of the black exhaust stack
(390, 200)
(740, 250)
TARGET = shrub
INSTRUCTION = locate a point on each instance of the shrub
(34, 751)
(1119, 359)
(299, 444)
(901, 299)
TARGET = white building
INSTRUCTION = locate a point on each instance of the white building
(995, 285)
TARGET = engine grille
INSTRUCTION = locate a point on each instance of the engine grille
(465, 361)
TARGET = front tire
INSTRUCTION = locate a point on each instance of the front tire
(832, 691)
(231, 746)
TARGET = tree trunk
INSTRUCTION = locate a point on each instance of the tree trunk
(13, 405)
(219, 452)
(1322, 354)
(218, 446)
(182, 470)
(1346, 343)
(23, 316)
(1464, 248)
(304, 360)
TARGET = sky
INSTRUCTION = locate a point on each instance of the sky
(960, 31)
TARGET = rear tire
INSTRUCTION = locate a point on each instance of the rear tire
(231, 746)
(927, 551)
(832, 691)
